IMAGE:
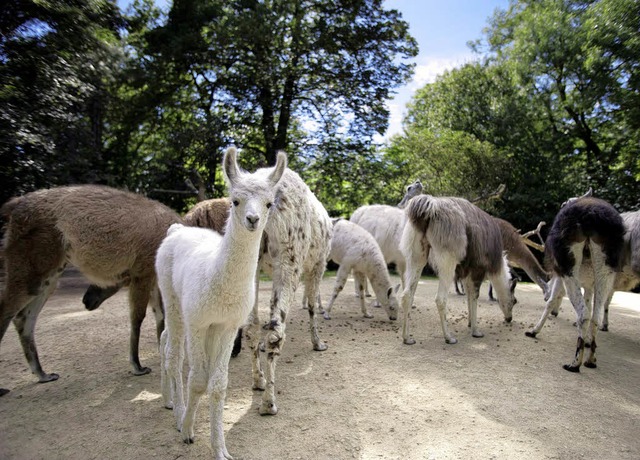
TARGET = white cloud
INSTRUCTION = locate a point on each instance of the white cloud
(426, 72)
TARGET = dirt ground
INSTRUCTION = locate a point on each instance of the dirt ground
(504, 396)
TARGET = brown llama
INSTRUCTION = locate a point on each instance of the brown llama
(110, 235)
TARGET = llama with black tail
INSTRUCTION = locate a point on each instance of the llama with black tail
(586, 224)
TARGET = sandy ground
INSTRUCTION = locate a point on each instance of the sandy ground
(504, 396)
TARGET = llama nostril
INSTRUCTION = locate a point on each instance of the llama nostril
(253, 220)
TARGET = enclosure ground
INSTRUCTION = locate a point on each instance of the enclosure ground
(503, 396)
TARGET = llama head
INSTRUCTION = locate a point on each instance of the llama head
(392, 302)
(506, 305)
(412, 190)
(252, 194)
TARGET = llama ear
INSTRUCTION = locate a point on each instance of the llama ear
(230, 165)
(278, 170)
(589, 193)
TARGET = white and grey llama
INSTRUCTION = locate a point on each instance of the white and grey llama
(593, 225)
(296, 245)
(518, 254)
(207, 283)
(455, 237)
(353, 248)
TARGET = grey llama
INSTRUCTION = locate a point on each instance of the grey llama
(455, 237)
(110, 235)
(518, 254)
(207, 283)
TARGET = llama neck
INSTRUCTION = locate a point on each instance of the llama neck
(241, 249)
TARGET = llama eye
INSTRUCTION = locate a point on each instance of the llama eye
(236, 202)
(269, 205)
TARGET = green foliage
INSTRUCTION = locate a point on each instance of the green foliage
(550, 111)
(56, 58)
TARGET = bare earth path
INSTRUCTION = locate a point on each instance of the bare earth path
(504, 396)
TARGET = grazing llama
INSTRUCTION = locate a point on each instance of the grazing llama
(207, 284)
(594, 225)
(385, 224)
(454, 236)
(353, 248)
(518, 254)
(110, 235)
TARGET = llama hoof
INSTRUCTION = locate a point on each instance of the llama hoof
(604, 328)
(570, 368)
(409, 341)
(260, 385)
(368, 315)
(326, 315)
(321, 346)
(554, 313)
(477, 334)
(48, 378)
(169, 406)
(531, 334)
(141, 371)
(268, 409)
(3, 391)
(451, 340)
(590, 365)
(188, 440)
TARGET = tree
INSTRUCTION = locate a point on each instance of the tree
(55, 60)
(579, 59)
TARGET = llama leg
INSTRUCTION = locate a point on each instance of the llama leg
(472, 289)
(587, 294)
(25, 322)
(139, 295)
(158, 311)
(415, 262)
(312, 284)
(96, 295)
(253, 332)
(220, 348)
(603, 290)
(197, 380)
(446, 276)
(604, 326)
(341, 280)
(572, 286)
(557, 292)
(363, 305)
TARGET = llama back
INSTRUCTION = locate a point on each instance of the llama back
(211, 214)
(302, 217)
(385, 223)
(89, 220)
(353, 242)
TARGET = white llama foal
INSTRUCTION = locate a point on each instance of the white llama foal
(207, 284)
(385, 223)
(355, 249)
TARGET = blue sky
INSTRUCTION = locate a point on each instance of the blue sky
(442, 29)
